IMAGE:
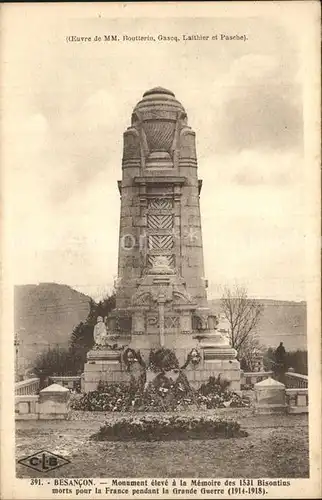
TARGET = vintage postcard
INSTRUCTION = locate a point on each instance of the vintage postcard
(161, 250)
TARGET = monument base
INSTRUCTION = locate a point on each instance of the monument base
(108, 366)
(104, 365)
(227, 369)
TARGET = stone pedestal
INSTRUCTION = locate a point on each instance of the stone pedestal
(109, 367)
(298, 400)
(270, 396)
(103, 365)
(54, 402)
(227, 369)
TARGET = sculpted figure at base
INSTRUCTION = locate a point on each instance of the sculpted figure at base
(100, 332)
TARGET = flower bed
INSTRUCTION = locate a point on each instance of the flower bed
(170, 427)
(161, 394)
(247, 387)
(107, 397)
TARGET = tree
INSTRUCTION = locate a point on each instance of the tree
(269, 360)
(243, 315)
(298, 361)
(55, 361)
(294, 359)
(62, 361)
(250, 353)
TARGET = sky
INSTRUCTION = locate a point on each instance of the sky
(68, 104)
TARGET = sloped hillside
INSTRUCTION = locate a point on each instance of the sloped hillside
(45, 315)
(282, 321)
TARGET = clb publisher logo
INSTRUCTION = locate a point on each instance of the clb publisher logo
(43, 461)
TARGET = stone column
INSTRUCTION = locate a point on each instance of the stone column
(138, 327)
(161, 302)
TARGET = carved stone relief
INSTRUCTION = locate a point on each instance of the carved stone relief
(160, 242)
(160, 204)
(171, 322)
(170, 259)
(160, 221)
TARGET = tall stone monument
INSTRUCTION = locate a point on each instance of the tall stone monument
(161, 298)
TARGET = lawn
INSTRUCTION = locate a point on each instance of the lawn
(277, 446)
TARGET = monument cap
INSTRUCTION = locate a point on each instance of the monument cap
(158, 90)
(159, 97)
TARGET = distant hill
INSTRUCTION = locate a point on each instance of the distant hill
(282, 321)
(45, 315)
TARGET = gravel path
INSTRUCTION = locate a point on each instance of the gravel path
(277, 446)
(101, 416)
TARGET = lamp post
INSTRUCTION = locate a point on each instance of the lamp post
(16, 344)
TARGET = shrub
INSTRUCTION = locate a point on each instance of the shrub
(174, 427)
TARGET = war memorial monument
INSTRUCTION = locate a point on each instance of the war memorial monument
(161, 298)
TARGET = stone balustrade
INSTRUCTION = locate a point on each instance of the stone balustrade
(73, 383)
(27, 387)
(296, 380)
(292, 380)
(272, 396)
(51, 403)
(27, 407)
(297, 400)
